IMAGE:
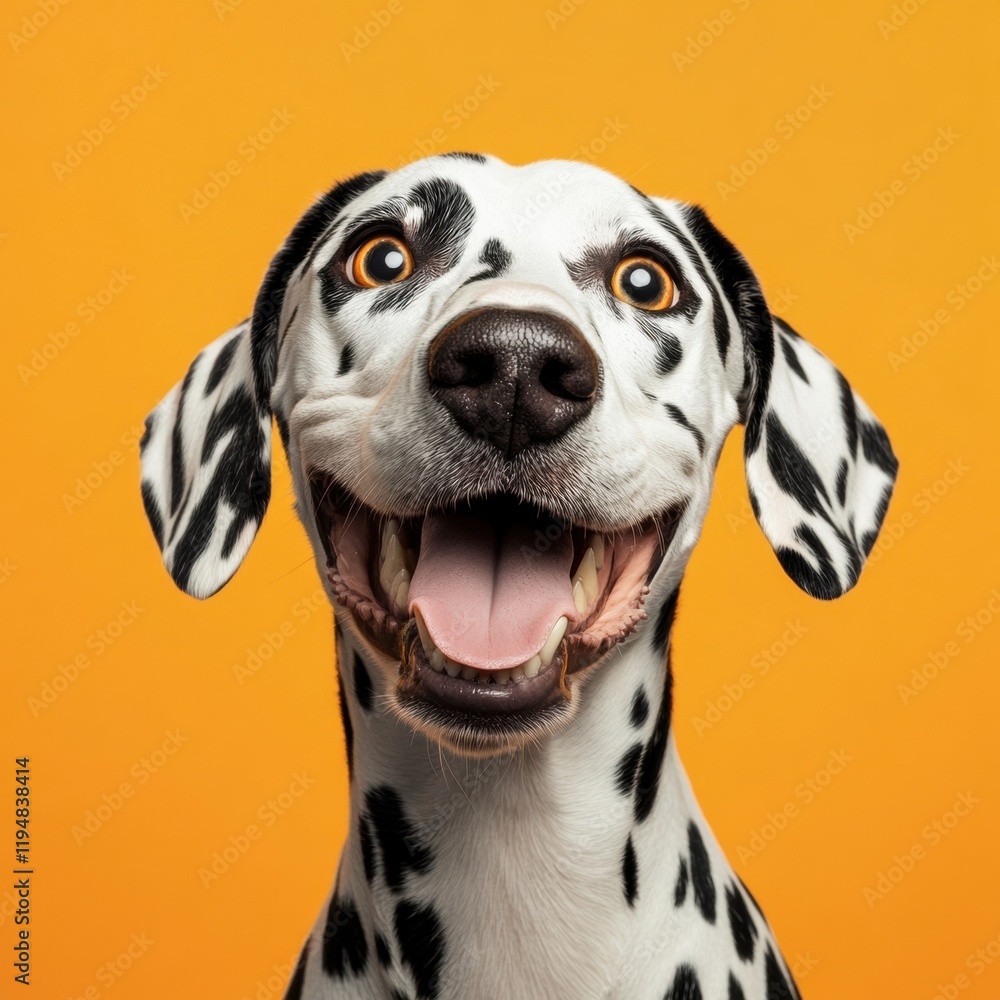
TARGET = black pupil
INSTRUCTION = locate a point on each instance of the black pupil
(642, 283)
(385, 261)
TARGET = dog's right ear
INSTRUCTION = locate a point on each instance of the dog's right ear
(206, 453)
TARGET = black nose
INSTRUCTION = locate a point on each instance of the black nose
(514, 377)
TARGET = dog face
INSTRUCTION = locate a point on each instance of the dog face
(503, 392)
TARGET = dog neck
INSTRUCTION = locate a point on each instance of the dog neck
(521, 869)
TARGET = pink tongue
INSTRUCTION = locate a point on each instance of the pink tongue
(490, 602)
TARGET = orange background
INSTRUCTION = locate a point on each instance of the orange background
(880, 98)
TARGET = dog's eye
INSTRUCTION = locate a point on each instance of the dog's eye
(642, 282)
(379, 261)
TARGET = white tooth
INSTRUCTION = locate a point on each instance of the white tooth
(392, 563)
(597, 544)
(548, 651)
(400, 589)
(579, 597)
(469, 673)
(425, 638)
(451, 668)
(587, 574)
(517, 674)
(390, 528)
(532, 667)
(502, 676)
(437, 660)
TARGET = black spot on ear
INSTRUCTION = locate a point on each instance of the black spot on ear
(294, 991)
(421, 945)
(735, 990)
(152, 511)
(401, 846)
(842, 482)
(367, 848)
(741, 923)
(640, 708)
(382, 951)
(793, 359)
(345, 720)
(681, 885)
(177, 479)
(630, 872)
(627, 767)
(471, 157)
(221, 365)
(665, 620)
(868, 539)
(792, 471)
(346, 360)
(147, 432)
(850, 414)
(685, 985)
(778, 987)
(345, 948)
(497, 258)
(648, 779)
(677, 414)
(701, 874)
(362, 683)
(821, 582)
(754, 503)
(878, 451)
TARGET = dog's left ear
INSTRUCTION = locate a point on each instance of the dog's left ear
(819, 465)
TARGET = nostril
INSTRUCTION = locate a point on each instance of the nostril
(567, 379)
(468, 368)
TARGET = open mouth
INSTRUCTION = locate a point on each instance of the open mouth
(489, 606)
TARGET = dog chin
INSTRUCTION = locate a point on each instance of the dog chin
(491, 611)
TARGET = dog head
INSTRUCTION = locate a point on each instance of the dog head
(503, 392)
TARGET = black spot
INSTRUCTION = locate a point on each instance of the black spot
(303, 238)
(777, 985)
(735, 990)
(627, 768)
(868, 539)
(685, 985)
(648, 781)
(152, 511)
(362, 683)
(741, 923)
(177, 481)
(497, 258)
(681, 885)
(822, 582)
(640, 708)
(294, 991)
(345, 719)
(793, 359)
(878, 451)
(792, 471)
(677, 414)
(701, 874)
(630, 872)
(669, 353)
(401, 846)
(382, 951)
(291, 320)
(421, 945)
(367, 848)
(665, 620)
(471, 157)
(346, 360)
(842, 482)
(850, 414)
(221, 364)
(749, 895)
(147, 432)
(345, 948)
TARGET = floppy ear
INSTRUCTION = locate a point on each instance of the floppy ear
(819, 465)
(206, 453)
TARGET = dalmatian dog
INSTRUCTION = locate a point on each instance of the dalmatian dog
(502, 392)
